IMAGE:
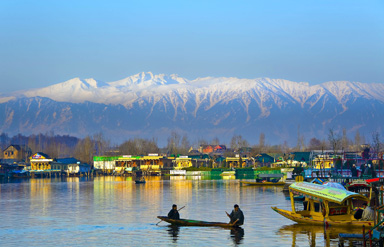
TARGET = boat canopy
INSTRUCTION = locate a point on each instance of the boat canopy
(324, 193)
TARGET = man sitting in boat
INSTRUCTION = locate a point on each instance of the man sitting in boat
(236, 216)
(368, 213)
(358, 214)
(174, 214)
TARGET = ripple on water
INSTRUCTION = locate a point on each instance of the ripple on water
(113, 211)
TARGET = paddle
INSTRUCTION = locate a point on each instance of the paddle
(231, 219)
(177, 210)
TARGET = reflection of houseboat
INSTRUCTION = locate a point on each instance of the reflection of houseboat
(301, 231)
(323, 204)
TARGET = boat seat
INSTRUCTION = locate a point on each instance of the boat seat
(338, 210)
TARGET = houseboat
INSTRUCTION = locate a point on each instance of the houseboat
(323, 205)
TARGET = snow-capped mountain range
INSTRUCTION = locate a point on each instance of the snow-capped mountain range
(148, 105)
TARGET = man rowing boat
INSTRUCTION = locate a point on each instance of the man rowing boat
(174, 214)
(236, 216)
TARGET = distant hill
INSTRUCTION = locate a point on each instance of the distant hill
(147, 105)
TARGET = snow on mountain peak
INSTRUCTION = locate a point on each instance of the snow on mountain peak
(146, 79)
(94, 83)
(147, 86)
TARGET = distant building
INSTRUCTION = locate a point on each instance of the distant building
(264, 159)
(238, 162)
(16, 153)
(302, 157)
(70, 166)
(193, 152)
(220, 149)
(183, 162)
(207, 149)
(41, 162)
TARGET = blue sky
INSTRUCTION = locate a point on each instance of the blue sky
(47, 42)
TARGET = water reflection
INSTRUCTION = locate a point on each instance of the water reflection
(237, 234)
(114, 211)
(173, 232)
(313, 234)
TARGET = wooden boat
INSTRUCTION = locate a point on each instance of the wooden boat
(266, 180)
(323, 205)
(140, 181)
(186, 222)
(366, 188)
(266, 183)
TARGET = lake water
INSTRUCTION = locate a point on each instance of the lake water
(114, 211)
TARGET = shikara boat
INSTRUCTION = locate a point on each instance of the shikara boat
(266, 183)
(266, 179)
(323, 205)
(186, 222)
(367, 188)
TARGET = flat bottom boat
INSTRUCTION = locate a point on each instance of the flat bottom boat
(140, 181)
(186, 222)
(303, 217)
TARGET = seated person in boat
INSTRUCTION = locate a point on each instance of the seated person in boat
(236, 216)
(358, 214)
(368, 213)
(174, 214)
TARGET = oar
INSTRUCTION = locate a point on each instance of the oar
(177, 210)
(231, 219)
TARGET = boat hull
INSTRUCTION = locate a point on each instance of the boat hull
(316, 220)
(263, 183)
(187, 222)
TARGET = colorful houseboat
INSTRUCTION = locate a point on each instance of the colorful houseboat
(323, 205)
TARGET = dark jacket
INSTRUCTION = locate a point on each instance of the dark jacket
(174, 214)
(237, 215)
(354, 171)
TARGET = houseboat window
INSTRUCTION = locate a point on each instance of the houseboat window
(299, 206)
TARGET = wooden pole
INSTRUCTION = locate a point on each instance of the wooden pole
(370, 237)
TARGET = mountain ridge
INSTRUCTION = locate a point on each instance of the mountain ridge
(153, 105)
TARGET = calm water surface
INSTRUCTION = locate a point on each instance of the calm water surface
(114, 211)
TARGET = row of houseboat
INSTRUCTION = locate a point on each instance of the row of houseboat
(314, 164)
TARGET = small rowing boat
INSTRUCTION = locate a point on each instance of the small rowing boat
(186, 222)
(266, 179)
(263, 183)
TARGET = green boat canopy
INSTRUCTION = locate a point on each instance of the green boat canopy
(324, 193)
